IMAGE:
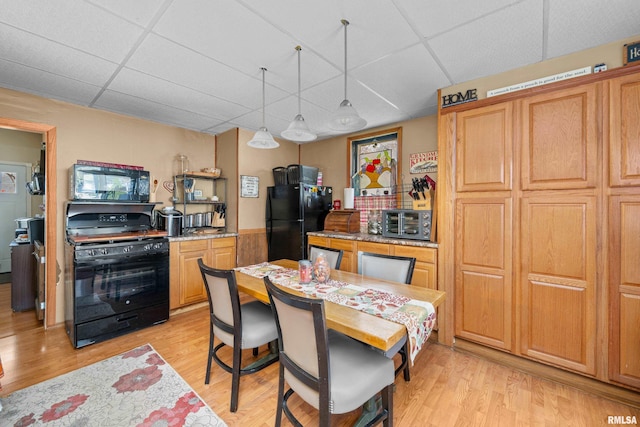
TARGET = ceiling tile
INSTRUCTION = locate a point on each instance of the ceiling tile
(590, 22)
(498, 42)
(433, 17)
(139, 12)
(18, 77)
(42, 54)
(77, 24)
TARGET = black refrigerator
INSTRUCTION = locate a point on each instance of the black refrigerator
(292, 211)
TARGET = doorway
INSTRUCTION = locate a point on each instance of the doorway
(48, 133)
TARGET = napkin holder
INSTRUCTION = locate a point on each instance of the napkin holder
(343, 221)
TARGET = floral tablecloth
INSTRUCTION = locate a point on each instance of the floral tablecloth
(419, 317)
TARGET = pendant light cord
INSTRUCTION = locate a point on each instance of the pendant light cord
(345, 23)
(298, 48)
(263, 95)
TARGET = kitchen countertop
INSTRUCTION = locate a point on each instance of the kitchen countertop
(201, 236)
(365, 237)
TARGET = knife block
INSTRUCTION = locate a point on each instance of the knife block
(344, 221)
(424, 204)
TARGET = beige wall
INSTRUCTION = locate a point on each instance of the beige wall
(331, 155)
(22, 147)
(88, 134)
(609, 54)
(260, 163)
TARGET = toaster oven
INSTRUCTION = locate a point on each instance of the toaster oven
(407, 224)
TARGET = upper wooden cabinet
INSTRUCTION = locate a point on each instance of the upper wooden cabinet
(559, 139)
(484, 148)
(624, 131)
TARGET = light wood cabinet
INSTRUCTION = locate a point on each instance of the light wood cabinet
(425, 272)
(484, 148)
(483, 276)
(349, 256)
(186, 286)
(546, 268)
(624, 131)
(559, 139)
(624, 289)
(557, 280)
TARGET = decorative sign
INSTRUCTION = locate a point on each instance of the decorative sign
(8, 183)
(631, 52)
(459, 98)
(423, 162)
(541, 81)
(249, 186)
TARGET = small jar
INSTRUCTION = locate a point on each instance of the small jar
(304, 271)
(374, 222)
(321, 269)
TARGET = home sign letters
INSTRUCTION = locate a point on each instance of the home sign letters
(459, 98)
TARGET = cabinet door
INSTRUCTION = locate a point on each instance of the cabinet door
(483, 275)
(349, 259)
(624, 290)
(223, 253)
(192, 288)
(425, 272)
(557, 280)
(624, 131)
(559, 139)
(484, 148)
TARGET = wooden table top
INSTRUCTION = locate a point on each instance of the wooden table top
(370, 329)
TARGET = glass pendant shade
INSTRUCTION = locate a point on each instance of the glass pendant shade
(346, 118)
(298, 130)
(263, 139)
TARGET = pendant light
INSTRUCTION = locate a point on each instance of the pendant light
(262, 138)
(298, 130)
(346, 118)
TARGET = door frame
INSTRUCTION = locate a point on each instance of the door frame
(51, 214)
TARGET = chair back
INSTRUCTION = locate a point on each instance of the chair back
(303, 343)
(224, 303)
(332, 255)
(386, 267)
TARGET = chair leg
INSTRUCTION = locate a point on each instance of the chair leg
(208, 375)
(235, 378)
(387, 405)
(280, 397)
(255, 351)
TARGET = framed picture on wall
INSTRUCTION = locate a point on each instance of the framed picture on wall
(375, 162)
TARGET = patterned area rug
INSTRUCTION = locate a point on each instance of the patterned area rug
(136, 388)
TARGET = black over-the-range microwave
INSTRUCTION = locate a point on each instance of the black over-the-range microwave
(99, 183)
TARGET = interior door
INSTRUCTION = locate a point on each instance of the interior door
(14, 203)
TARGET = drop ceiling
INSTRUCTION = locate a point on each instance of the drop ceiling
(196, 64)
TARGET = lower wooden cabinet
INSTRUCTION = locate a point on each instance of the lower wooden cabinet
(425, 273)
(185, 278)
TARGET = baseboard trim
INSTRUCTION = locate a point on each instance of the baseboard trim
(588, 385)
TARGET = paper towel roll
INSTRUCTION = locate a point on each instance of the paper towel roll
(348, 198)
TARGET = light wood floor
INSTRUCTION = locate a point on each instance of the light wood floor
(447, 388)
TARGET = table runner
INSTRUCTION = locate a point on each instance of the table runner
(418, 317)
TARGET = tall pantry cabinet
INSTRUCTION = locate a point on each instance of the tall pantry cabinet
(544, 223)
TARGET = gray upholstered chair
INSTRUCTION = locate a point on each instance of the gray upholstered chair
(333, 256)
(396, 269)
(240, 326)
(330, 371)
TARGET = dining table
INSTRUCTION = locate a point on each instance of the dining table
(376, 331)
